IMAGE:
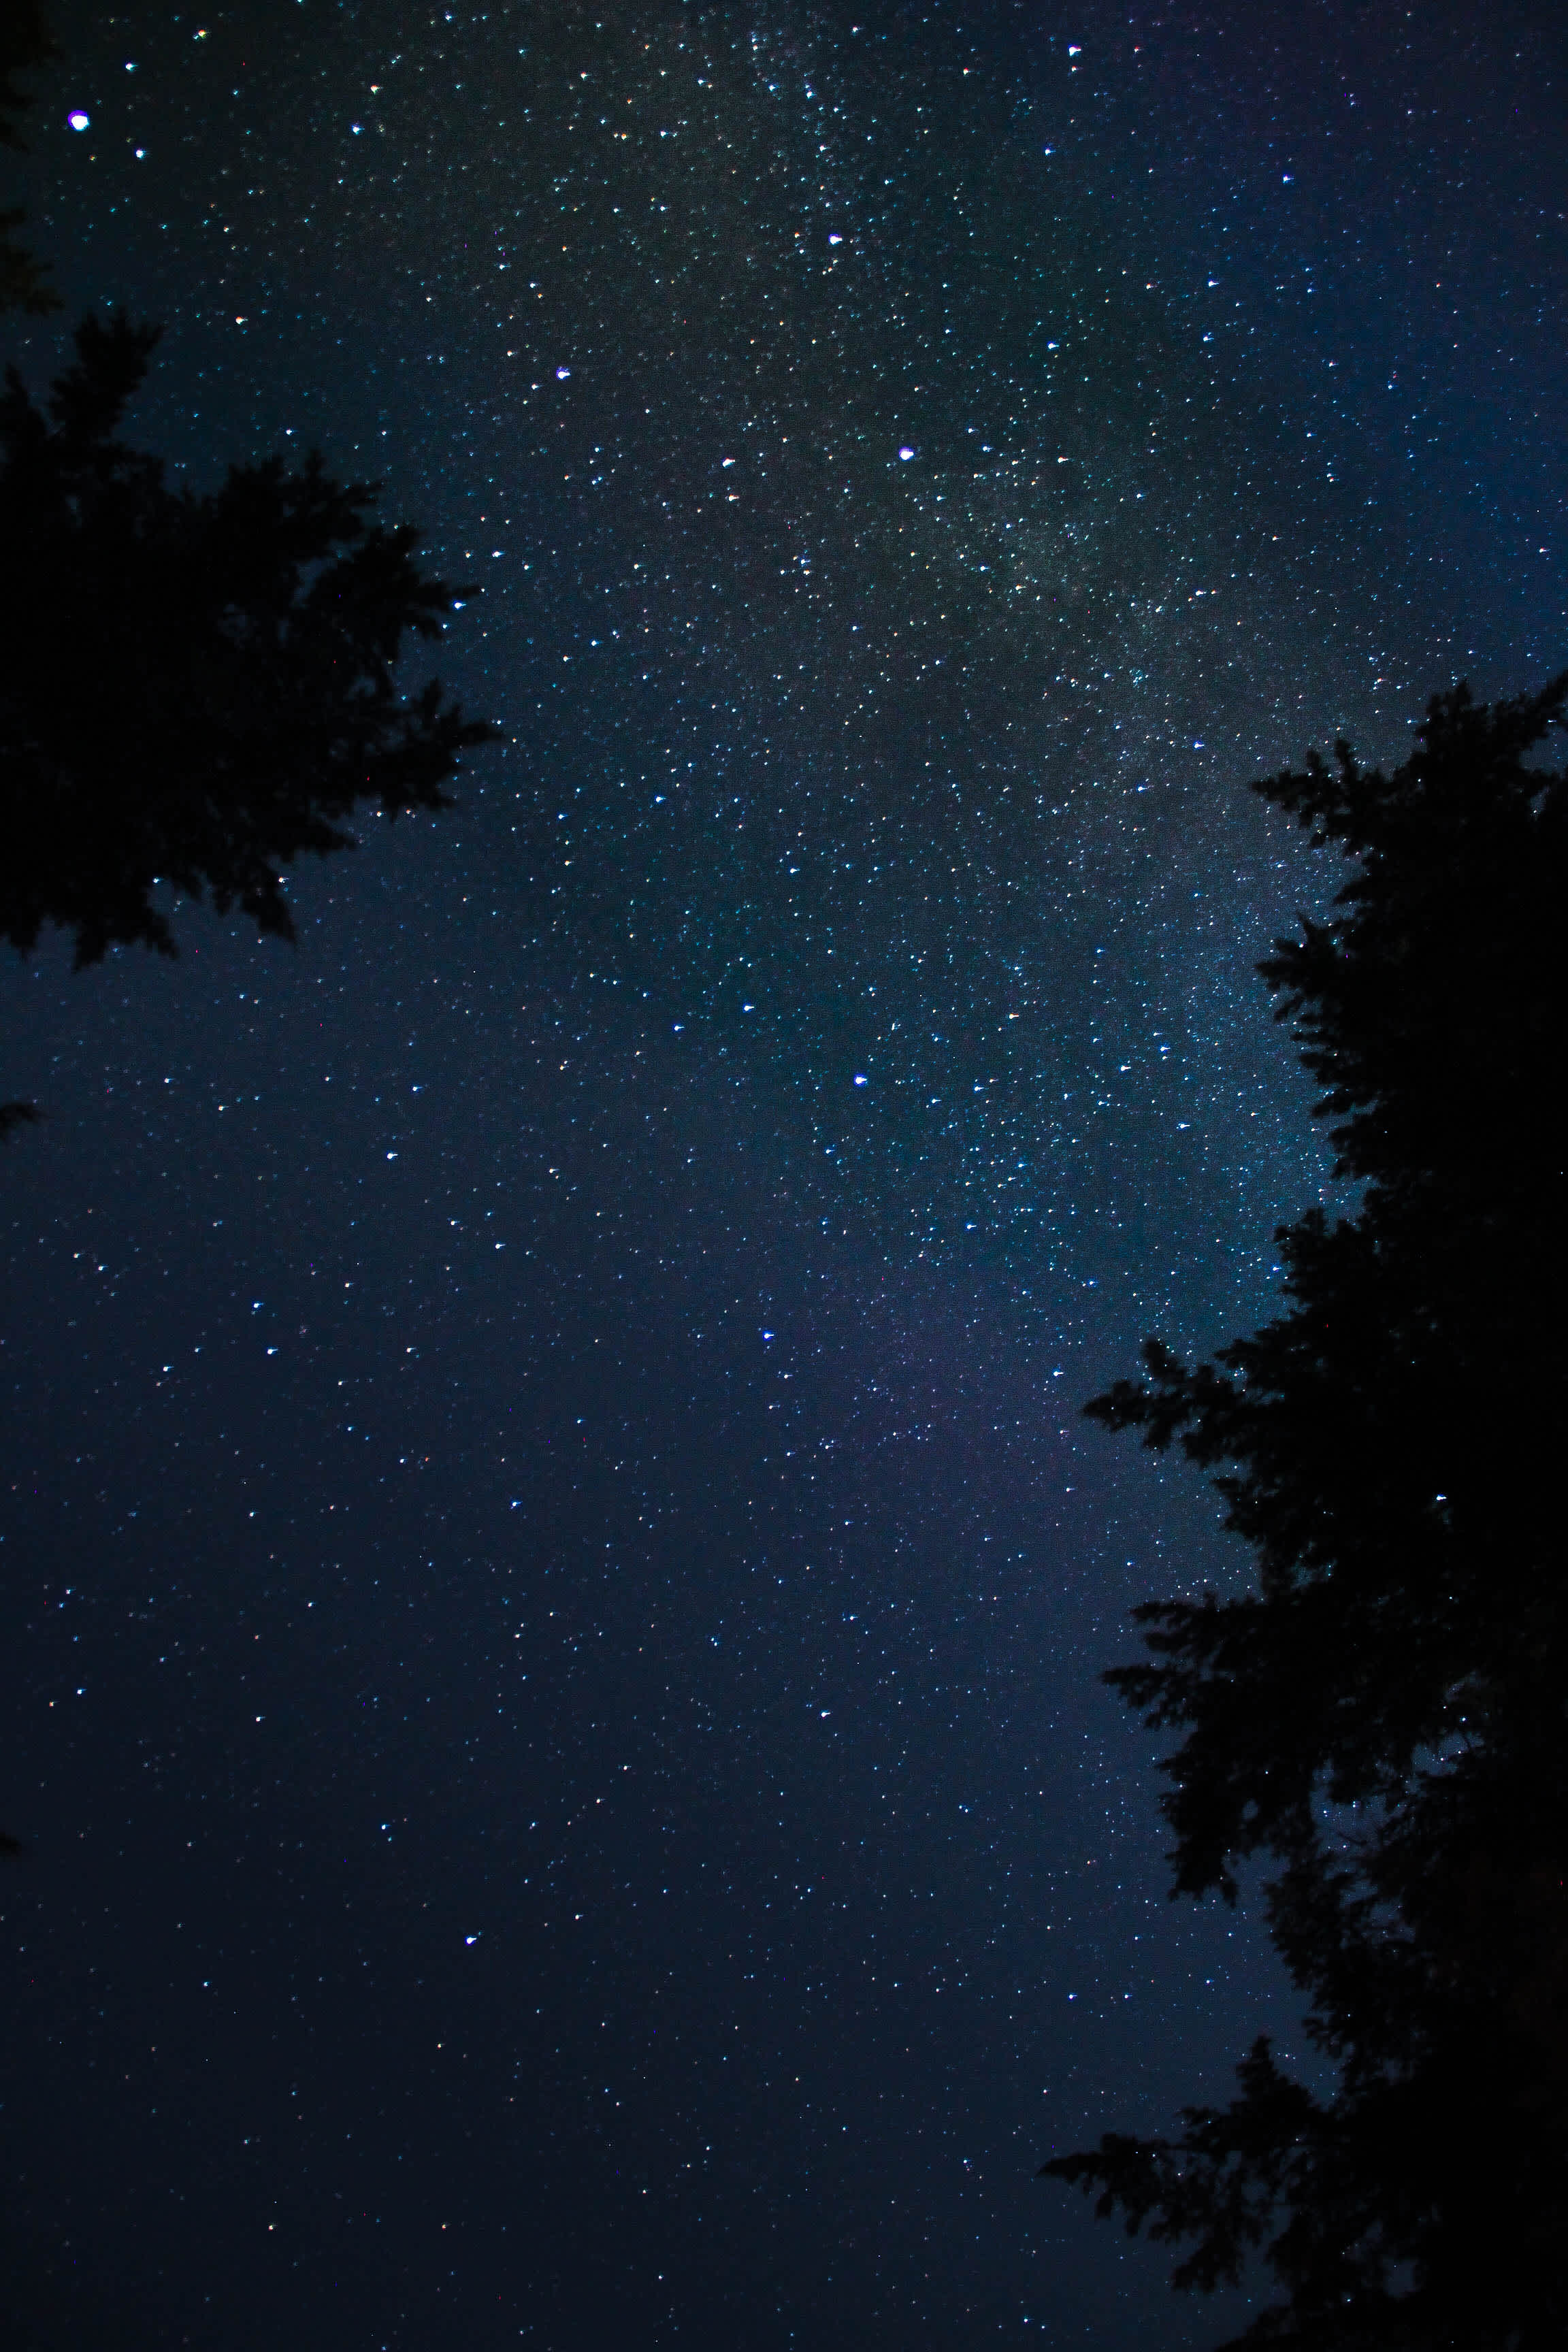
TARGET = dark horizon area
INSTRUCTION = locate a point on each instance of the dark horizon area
(554, 1581)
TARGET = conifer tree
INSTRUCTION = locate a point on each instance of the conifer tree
(194, 689)
(1382, 1716)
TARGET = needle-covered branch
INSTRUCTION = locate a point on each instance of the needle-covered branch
(194, 689)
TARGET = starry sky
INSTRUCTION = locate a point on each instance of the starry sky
(552, 1581)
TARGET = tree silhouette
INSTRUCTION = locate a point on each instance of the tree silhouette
(193, 690)
(1383, 1716)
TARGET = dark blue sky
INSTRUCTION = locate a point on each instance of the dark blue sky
(553, 1579)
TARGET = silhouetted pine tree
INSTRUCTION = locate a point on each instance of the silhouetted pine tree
(193, 690)
(1386, 1715)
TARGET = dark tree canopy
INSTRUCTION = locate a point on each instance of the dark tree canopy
(25, 45)
(194, 689)
(1384, 1714)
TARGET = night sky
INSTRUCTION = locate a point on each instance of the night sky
(553, 1581)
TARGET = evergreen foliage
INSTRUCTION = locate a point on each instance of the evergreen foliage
(193, 690)
(1383, 1716)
